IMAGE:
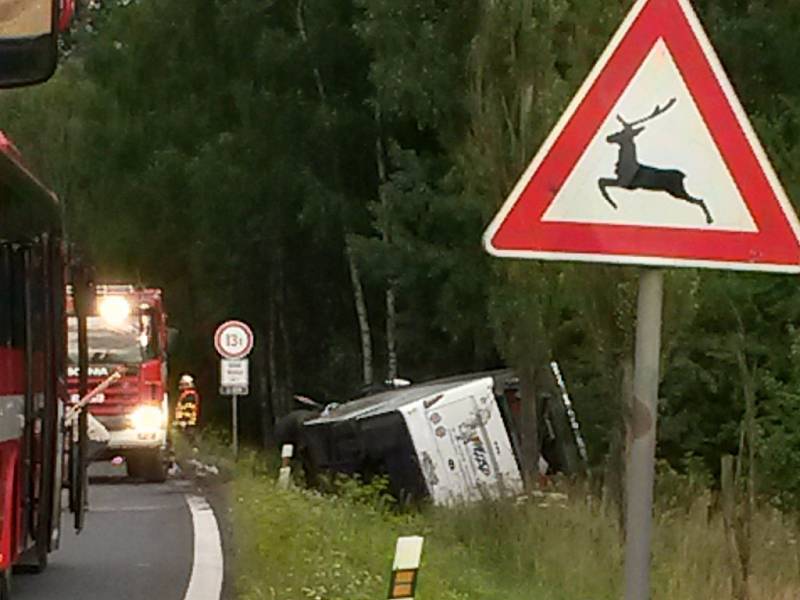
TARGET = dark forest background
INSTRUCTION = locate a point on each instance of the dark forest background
(324, 170)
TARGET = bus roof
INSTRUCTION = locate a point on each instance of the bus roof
(393, 399)
(27, 207)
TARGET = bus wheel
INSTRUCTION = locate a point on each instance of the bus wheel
(41, 558)
(5, 584)
(33, 562)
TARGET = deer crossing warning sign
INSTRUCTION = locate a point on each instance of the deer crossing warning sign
(654, 163)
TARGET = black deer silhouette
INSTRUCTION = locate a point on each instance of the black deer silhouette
(633, 176)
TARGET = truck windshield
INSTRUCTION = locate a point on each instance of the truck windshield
(127, 342)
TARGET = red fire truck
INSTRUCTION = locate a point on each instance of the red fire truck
(127, 332)
(36, 448)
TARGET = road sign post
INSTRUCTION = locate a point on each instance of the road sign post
(235, 425)
(654, 163)
(640, 460)
(234, 342)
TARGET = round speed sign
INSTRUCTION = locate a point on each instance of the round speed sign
(233, 339)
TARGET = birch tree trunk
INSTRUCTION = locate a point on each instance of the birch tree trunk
(386, 235)
(300, 16)
(391, 329)
(363, 319)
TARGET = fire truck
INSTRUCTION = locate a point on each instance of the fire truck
(127, 334)
(38, 452)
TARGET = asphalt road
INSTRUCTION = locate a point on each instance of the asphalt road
(137, 545)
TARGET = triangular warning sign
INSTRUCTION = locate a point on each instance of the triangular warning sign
(654, 163)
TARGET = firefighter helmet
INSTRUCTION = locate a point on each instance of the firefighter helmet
(186, 381)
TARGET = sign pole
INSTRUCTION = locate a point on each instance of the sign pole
(235, 419)
(641, 452)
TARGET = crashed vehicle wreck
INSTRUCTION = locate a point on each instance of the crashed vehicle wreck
(453, 440)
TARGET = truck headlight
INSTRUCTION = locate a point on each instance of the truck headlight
(114, 310)
(146, 418)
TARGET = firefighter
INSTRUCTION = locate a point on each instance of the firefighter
(187, 410)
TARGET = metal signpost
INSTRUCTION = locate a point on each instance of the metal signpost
(705, 196)
(234, 342)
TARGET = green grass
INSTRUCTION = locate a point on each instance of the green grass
(300, 544)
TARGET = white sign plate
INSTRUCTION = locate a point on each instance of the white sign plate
(234, 373)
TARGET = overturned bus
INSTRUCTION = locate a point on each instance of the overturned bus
(453, 440)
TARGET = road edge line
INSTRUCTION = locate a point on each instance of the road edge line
(205, 582)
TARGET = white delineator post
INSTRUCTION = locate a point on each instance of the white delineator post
(405, 568)
(285, 473)
(640, 459)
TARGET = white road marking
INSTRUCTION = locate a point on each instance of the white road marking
(207, 569)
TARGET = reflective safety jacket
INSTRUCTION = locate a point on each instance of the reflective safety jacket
(187, 409)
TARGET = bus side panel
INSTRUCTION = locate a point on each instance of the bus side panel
(13, 387)
(11, 517)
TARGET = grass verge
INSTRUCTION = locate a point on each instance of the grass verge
(300, 544)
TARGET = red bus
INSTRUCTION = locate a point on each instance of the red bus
(33, 392)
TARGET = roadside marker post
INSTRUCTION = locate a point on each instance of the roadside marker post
(704, 195)
(285, 472)
(405, 569)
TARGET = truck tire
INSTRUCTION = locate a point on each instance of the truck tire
(147, 465)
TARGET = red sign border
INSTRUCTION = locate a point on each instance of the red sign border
(234, 323)
(518, 231)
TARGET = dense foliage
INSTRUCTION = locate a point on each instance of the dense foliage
(324, 170)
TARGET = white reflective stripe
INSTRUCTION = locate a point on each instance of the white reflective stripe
(407, 553)
(207, 570)
(12, 417)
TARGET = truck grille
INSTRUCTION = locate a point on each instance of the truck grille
(114, 422)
